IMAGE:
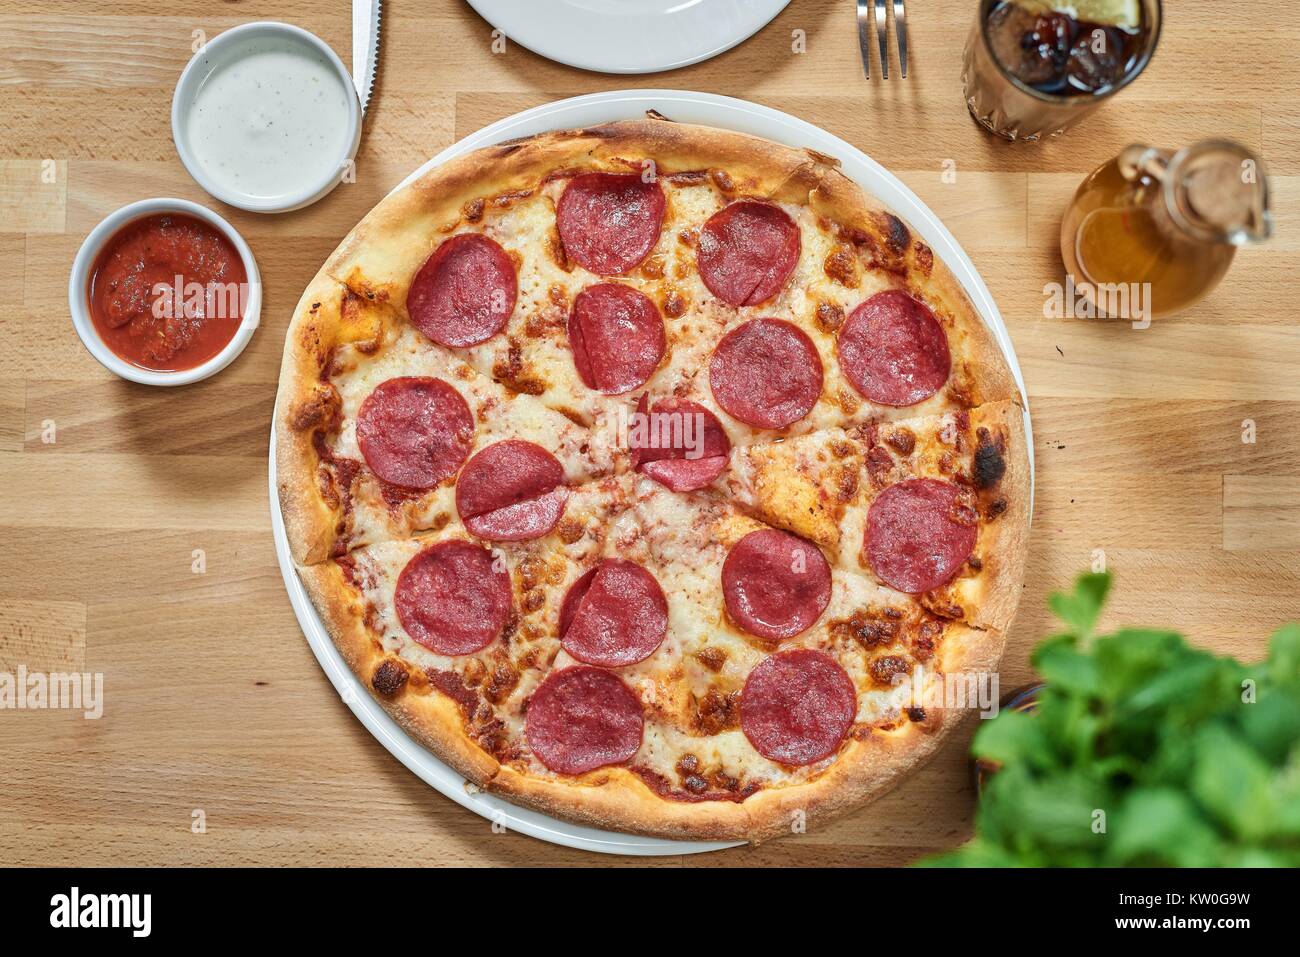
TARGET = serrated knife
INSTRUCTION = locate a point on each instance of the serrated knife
(365, 46)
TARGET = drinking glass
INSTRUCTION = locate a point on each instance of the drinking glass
(1008, 107)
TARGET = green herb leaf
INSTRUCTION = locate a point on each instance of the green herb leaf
(1284, 655)
(1011, 736)
(1189, 681)
(1142, 752)
(1064, 666)
(1081, 608)
(1232, 783)
(1272, 724)
(1056, 815)
(1160, 827)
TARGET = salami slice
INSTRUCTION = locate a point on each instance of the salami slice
(766, 373)
(583, 718)
(414, 431)
(775, 585)
(747, 251)
(609, 222)
(464, 292)
(893, 350)
(614, 615)
(617, 337)
(797, 706)
(511, 491)
(678, 443)
(452, 598)
(919, 533)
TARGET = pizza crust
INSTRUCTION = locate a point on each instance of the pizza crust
(867, 769)
(374, 265)
(303, 404)
(1006, 550)
(615, 798)
(618, 799)
(430, 717)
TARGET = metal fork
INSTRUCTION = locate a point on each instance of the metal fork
(879, 28)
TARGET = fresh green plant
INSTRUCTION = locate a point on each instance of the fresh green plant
(1143, 751)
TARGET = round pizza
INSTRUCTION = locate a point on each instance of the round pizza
(654, 476)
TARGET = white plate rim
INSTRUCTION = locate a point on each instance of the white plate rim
(589, 110)
(576, 35)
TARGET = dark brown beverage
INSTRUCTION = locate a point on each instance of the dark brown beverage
(1033, 68)
(1057, 54)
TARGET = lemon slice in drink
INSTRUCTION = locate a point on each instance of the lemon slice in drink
(1112, 13)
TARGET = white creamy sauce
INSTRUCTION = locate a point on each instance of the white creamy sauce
(271, 120)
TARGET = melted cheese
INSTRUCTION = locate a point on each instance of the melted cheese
(533, 352)
(497, 416)
(689, 537)
(541, 572)
(808, 469)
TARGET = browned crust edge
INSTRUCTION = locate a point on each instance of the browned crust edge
(615, 797)
(309, 521)
(431, 718)
(1005, 551)
(863, 771)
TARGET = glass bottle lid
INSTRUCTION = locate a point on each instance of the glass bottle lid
(1217, 191)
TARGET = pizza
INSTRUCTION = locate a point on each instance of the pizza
(654, 476)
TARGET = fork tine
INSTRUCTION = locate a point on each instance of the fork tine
(866, 28)
(900, 33)
(882, 34)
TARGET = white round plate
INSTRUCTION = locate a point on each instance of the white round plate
(628, 36)
(709, 110)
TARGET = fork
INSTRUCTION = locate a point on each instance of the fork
(879, 27)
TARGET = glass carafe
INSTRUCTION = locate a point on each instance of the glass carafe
(1161, 228)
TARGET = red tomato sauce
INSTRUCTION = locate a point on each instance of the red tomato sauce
(167, 292)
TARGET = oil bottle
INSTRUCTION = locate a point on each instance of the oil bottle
(1162, 227)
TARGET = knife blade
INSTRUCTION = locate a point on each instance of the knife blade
(365, 46)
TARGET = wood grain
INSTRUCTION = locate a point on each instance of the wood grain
(134, 530)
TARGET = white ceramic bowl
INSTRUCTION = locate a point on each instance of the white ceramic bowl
(221, 50)
(79, 283)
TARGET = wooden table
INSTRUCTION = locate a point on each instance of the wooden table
(213, 701)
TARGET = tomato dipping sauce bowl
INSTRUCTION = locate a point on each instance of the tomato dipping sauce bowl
(83, 267)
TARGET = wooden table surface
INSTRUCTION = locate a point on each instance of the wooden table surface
(213, 701)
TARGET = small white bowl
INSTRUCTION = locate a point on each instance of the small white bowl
(224, 49)
(79, 286)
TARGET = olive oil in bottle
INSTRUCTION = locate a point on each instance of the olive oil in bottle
(1168, 222)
